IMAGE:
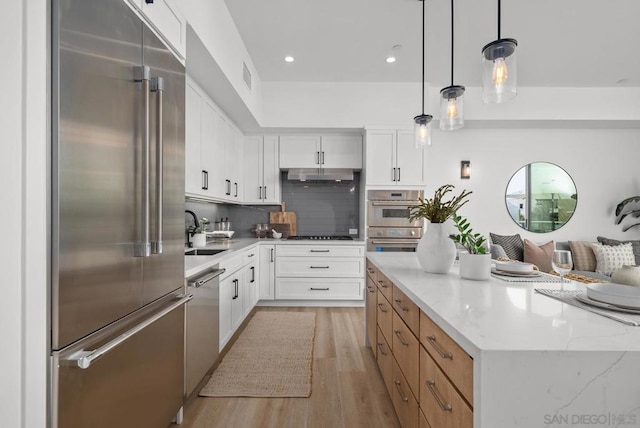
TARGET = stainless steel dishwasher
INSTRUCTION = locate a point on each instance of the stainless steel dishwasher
(202, 326)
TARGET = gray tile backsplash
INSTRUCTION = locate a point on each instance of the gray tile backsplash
(243, 217)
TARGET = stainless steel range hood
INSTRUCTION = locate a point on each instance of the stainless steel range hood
(327, 174)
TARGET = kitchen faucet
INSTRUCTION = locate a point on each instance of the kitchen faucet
(197, 224)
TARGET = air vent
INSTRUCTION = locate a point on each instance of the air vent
(246, 75)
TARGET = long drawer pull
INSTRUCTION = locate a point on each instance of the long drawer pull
(381, 348)
(318, 267)
(432, 387)
(319, 289)
(382, 283)
(382, 308)
(400, 338)
(401, 306)
(371, 289)
(370, 270)
(432, 341)
(319, 251)
(402, 396)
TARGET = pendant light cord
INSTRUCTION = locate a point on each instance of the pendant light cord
(423, 1)
(499, 8)
(451, 42)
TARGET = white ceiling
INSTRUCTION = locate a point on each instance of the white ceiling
(560, 42)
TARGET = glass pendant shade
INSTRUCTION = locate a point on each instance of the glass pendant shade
(452, 108)
(499, 71)
(423, 130)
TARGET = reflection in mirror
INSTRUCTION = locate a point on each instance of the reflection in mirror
(541, 197)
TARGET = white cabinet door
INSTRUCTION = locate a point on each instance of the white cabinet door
(237, 314)
(409, 160)
(249, 288)
(271, 171)
(167, 19)
(194, 177)
(227, 292)
(210, 151)
(341, 151)
(381, 157)
(253, 170)
(267, 272)
(237, 165)
(299, 151)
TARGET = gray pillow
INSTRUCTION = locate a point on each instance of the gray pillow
(511, 244)
(497, 251)
(614, 242)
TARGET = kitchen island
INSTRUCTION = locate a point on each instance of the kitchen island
(537, 362)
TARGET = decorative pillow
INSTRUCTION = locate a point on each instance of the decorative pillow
(539, 255)
(583, 257)
(614, 242)
(610, 258)
(512, 245)
(497, 251)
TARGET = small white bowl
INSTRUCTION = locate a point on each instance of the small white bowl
(276, 235)
(626, 296)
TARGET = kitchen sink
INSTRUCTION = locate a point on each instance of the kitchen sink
(203, 252)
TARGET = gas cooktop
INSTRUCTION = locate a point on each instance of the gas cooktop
(322, 238)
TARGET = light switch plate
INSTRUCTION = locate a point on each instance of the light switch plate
(353, 231)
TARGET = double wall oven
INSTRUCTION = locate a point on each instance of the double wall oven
(388, 225)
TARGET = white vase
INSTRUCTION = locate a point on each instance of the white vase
(627, 275)
(436, 251)
(475, 266)
(199, 240)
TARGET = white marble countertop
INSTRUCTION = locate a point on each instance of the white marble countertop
(196, 264)
(496, 315)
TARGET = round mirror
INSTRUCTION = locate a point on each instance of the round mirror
(541, 197)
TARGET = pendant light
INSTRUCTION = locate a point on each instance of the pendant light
(423, 121)
(451, 98)
(499, 74)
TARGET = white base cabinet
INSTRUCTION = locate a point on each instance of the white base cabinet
(267, 272)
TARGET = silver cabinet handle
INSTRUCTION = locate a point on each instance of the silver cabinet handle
(382, 308)
(319, 251)
(432, 388)
(398, 333)
(401, 306)
(381, 348)
(402, 396)
(318, 267)
(142, 248)
(84, 358)
(157, 86)
(204, 279)
(319, 289)
(432, 342)
(371, 289)
(382, 283)
(271, 251)
(370, 270)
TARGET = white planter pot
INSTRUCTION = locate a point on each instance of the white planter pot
(475, 266)
(436, 251)
(199, 240)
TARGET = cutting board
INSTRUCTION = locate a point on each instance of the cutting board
(285, 217)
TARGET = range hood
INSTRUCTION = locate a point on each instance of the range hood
(326, 174)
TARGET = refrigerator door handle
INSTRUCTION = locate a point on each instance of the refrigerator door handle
(157, 86)
(83, 359)
(142, 248)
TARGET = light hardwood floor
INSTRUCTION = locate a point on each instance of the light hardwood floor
(347, 390)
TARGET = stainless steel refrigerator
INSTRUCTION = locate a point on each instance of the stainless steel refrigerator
(117, 268)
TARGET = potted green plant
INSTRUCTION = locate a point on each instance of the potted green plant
(436, 252)
(198, 232)
(475, 263)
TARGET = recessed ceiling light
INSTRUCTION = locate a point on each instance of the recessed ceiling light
(289, 58)
(391, 59)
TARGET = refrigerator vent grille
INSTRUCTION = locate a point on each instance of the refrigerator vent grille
(246, 75)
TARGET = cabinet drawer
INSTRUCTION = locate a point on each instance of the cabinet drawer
(384, 357)
(231, 265)
(442, 405)
(320, 251)
(385, 317)
(385, 286)
(405, 348)
(250, 255)
(371, 303)
(372, 271)
(319, 289)
(407, 310)
(453, 360)
(403, 400)
(319, 267)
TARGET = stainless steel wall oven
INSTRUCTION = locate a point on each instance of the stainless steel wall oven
(389, 228)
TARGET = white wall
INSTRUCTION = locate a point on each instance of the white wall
(602, 163)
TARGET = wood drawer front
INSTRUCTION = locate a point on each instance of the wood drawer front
(319, 288)
(406, 349)
(385, 286)
(319, 251)
(372, 271)
(384, 357)
(371, 300)
(453, 360)
(320, 267)
(423, 420)
(403, 400)
(385, 316)
(407, 310)
(441, 403)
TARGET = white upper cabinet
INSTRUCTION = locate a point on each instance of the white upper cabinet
(233, 164)
(393, 160)
(327, 151)
(195, 177)
(165, 17)
(262, 176)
